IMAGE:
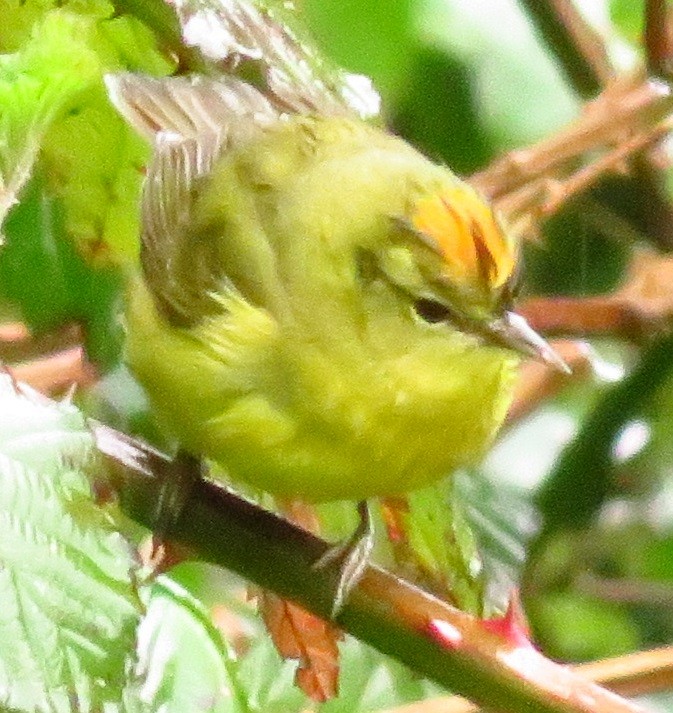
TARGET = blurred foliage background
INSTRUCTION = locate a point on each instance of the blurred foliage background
(574, 504)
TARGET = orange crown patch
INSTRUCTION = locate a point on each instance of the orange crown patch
(464, 231)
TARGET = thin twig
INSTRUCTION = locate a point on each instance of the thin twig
(572, 38)
(642, 308)
(624, 108)
(657, 38)
(611, 315)
(17, 344)
(614, 161)
(56, 373)
(531, 183)
(563, 29)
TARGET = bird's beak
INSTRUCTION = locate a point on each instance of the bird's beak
(511, 330)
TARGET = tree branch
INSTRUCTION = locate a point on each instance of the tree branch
(489, 661)
(657, 38)
(630, 675)
(574, 41)
(531, 183)
(582, 56)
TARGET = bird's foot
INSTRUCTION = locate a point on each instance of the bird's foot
(349, 559)
(176, 485)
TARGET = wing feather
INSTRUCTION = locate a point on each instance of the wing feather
(299, 80)
(191, 107)
(191, 121)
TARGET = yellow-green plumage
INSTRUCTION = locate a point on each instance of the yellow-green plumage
(310, 374)
(321, 309)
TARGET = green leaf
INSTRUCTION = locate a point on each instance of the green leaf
(571, 500)
(41, 272)
(580, 628)
(20, 17)
(93, 160)
(501, 517)
(443, 541)
(38, 84)
(269, 681)
(371, 37)
(522, 95)
(94, 166)
(70, 606)
(52, 101)
(183, 661)
(33, 261)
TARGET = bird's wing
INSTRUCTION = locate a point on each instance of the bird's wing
(191, 121)
(271, 72)
(268, 36)
(218, 110)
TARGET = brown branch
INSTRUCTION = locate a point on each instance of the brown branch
(490, 661)
(657, 38)
(613, 161)
(56, 373)
(627, 116)
(584, 57)
(583, 60)
(632, 675)
(611, 315)
(640, 309)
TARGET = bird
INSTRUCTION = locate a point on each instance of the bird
(321, 309)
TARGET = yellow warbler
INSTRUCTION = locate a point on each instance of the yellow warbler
(321, 309)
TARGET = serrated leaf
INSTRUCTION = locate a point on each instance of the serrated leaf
(69, 601)
(37, 84)
(94, 161)
(183, 660)
(94, 165)
(52, 102)
(503, 519)
(304, 637)
(442, 540)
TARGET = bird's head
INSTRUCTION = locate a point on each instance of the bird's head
(452, 256)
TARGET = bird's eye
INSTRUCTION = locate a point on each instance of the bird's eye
(431, 311)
